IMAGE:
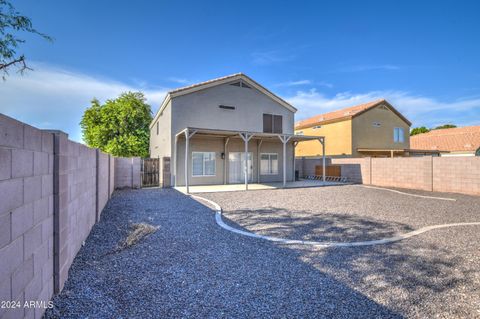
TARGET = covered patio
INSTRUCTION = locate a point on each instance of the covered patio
(227, 135)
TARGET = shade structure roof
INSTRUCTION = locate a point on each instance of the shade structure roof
(255, 135)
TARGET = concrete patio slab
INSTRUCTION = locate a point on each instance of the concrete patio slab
(255, 186)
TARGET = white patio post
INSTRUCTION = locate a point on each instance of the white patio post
(175, 160)
(294, 146)
(188, 135)
(246, 137)
(259, 161)
(284, 139)
(225, 161)
(324, 171)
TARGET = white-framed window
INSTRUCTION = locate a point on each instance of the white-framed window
(316, 127)
(398, 135)
(268, 163)
(203, 163)
(376, 124)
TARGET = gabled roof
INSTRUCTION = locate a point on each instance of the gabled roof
(219, 81)
(346, 114)
(451, 139)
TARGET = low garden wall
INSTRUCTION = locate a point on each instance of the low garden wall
(439, 174)
(52, 192)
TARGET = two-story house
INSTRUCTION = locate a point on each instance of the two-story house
(373, 129)
(226, 131)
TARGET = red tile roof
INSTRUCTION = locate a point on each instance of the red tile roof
(452, 139)
(344, 114)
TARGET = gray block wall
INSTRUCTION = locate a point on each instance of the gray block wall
(52, 191)
(127, 172)
(26, 216)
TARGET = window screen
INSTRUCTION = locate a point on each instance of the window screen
(268, 164)
(272, 123)
(203, 163)
(277, 124)
(398, 135)
(267, 123)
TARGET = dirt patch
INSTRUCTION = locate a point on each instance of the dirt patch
(137, 232)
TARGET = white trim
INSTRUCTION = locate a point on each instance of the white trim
(203, 164)
(326, 244)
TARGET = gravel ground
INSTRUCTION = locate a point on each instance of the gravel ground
(341, 213)
(191, 268)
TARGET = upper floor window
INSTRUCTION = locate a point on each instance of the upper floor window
(316, 127)
(477, 153)
(376, 124)
(398, 135)
(158, 128)
(299, 133)
(272, 123)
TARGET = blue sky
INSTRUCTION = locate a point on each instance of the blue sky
(423, 56)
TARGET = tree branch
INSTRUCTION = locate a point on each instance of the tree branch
(21, 60)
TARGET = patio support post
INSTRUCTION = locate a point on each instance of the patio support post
(284, 139)
(225, 161)
(259, 160)
(246, 137)
(324, 171)
(188, 135)
(175, 160)
(294, 146)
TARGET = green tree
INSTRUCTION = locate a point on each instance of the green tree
(12, 22)
(419, 130)
(445, 126)
(120, 126)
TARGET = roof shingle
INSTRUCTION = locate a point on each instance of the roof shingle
(452, 140)
(344, 114)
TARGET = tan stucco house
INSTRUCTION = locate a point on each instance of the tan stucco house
(226, 131)
(373, 129)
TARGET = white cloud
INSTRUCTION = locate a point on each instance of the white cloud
(362, 68)
(51, 97)
(178, 80)
(271, 57)
(303, 83)
(418, 109)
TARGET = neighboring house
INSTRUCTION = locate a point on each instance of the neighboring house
(460, 141)
(374, 129)
(221, 123)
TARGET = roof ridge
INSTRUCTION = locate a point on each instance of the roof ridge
(205, 82)
(344, 111)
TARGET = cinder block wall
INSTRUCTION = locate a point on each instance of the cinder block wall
(26, 216)
(440, 174)
(403, 172)
(127, 172)
(456, 174)
(52, 191)
(357, 170)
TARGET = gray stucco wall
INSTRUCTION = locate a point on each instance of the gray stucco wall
(200, 109)
(160, 145)
(235, 145)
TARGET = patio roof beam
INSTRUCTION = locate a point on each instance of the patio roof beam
(246, 138)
